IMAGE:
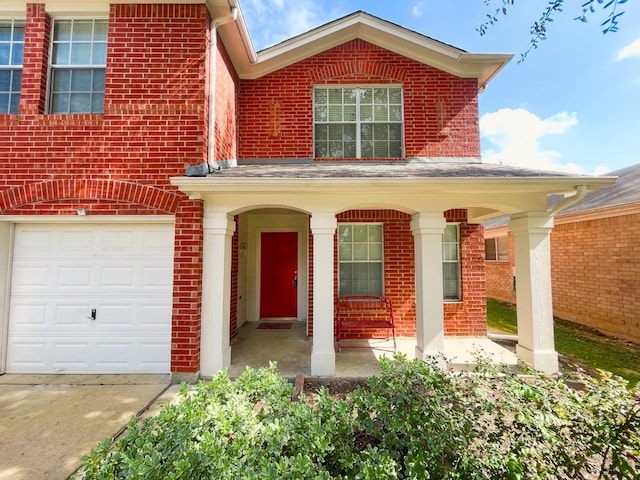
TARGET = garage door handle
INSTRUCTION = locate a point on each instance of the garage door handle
(93, 314)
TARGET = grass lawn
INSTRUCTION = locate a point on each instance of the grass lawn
(586, 347)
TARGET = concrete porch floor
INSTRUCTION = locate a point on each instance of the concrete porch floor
(291, 348)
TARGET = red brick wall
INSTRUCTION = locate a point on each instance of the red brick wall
(596, 274)
(440, 110)
(465, 318)
(119, 163)
(226, 106)
(500, 276)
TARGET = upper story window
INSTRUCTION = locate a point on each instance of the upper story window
(497, 248)
(451, 262)
(360, 259)
(358, 122)
(78, 62)
(11, 51)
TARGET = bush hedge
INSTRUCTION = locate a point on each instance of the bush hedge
(413, 421)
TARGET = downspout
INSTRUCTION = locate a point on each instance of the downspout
(581, 191)
(213, 47)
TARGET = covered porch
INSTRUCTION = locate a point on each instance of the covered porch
(422, 191)
(291, 349)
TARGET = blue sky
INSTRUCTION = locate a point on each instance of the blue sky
(573, 105)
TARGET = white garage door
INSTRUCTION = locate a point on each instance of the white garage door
(63, 273)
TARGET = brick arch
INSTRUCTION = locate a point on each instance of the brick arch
(358, 69)
(156, 198)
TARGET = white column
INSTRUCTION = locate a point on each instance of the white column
(428, 229)
(533, 290)
(323, 354)
(215, 350)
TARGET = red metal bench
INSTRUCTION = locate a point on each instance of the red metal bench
(357, 314)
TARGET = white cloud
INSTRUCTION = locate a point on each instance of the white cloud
(272, 21)
(514, 135)
(417, 10)
(631, 50)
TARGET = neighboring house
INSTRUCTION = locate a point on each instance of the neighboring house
(595, 259)
(344, 160)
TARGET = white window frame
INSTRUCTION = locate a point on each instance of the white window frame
(500, 249)
(368, 261)
(53, 67)
(13, 67)
(457, 261)
(358, 121)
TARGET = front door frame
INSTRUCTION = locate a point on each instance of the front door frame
(284, 221)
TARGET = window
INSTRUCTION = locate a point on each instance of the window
(358, 122)
(497, 249)
(360, 269)
(78, 62)
(451, 262)
(11, 50)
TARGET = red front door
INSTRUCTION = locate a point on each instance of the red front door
(279, 274)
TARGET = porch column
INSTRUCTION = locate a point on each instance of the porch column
(533, 290)
(428, 229)
(323, 354)
(215, 350)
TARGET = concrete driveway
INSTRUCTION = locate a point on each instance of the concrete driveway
(47, 422)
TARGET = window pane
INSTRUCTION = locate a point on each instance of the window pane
(82, 30)
(395, 131)
(322, 131)
(380, 95)
(350, 96)
(321, 113)
(4, 103)
(360, 251)
(360, 233)
(100, 30)
(366, 95)
(335, 113)
(450, 251)
(97, 103)
(375, 233)
(335, 96)
(80, 103)
(366, 131)
(81, 54)
(451, 233)
(16, 54)
(5, 53)
(366, 150)
(490, 249)
(380, 113)
(81, 81)
(395, 149)
(5, 80)
(381, 132)
(321, 149)
(345, 233)
(335, 150)
(98, 80)
(60, 103)
(335, 132)
(395, 95)
(61, 80)
(349, 132)
(381, 150)
(350, 150)
(395, 113)
(366, 113)
(350, 113)
(375, 251)
(5, 31)
(99, 54)
(60, 54)
(320, 96)
(14, 104)
(62, 30)
(345, 251)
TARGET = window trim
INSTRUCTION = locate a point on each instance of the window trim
(70, 66)
(14, 67)
(381, 262)
(458, 262)
(358, 122)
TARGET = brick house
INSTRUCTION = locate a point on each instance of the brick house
(344, 160)
(595, 259)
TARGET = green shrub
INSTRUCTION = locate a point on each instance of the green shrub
(414, 420)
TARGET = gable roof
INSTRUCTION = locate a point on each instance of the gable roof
(358, 25)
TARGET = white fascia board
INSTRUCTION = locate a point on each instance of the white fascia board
(523, 185)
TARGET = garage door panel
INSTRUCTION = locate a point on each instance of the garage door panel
(125, 273)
